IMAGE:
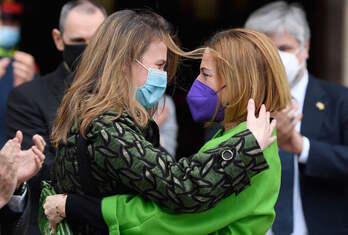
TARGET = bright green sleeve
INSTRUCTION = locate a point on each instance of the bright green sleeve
(250, 212)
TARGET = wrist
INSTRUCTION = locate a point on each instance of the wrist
(20, 188)
(60, 208)
(3, 202)
(299, 145)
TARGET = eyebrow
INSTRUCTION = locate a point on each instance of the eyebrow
(161, 61)
(204, 69)
(78, 39)
(284, 47)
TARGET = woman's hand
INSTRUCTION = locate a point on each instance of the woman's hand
(261, 127)
(54, 208)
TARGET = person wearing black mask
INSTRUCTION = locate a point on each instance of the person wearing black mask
(32, 107)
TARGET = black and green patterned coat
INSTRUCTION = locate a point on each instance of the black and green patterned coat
(124, 161)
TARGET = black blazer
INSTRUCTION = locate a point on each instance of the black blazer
(32, 109)
(324, 178)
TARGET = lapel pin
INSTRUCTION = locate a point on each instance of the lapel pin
(320, 106)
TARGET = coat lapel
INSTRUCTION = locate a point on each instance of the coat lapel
(60, 81)
(315, 108)
(56, 84)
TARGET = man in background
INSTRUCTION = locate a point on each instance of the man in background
(314, 151)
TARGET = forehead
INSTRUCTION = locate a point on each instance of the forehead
(157, 50)
(284, 39)
(80, 24)
(208, 60)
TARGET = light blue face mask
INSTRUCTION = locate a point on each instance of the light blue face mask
(9, 36)
(152, 91)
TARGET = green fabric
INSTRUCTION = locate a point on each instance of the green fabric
(44, 224)
(250, 212)
(7, 53)
(121, 158)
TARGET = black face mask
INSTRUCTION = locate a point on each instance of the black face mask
(72, 54)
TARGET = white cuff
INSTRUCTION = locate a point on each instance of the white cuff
(305, 150)
(17, 202)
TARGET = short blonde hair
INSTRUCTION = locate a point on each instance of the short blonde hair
(249, 65)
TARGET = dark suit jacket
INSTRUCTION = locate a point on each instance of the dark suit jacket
(324, 178)
(6, 85)
(32, 109)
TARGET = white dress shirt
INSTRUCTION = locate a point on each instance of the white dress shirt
(298, 93)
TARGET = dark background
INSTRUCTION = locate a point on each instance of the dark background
(195, 21)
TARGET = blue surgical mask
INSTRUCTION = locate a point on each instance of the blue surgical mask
(9, 36)
(152, 91)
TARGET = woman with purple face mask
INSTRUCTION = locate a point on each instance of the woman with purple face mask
(237, 65)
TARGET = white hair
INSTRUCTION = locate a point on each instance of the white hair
(278, 17)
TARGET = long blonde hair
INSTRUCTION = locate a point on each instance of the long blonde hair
(102, 81)
(248, 63)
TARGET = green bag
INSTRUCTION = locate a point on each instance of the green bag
(44, 224)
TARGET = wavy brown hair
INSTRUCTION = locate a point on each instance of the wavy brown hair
(249, 64)
(103, 79)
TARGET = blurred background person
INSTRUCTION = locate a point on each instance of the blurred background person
(16, 67)
(312, 132)
(32, 107)
(165, 118)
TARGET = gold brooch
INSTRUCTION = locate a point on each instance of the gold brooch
(320, 106)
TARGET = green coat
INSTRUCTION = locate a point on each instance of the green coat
(250, 212)
(124, 160)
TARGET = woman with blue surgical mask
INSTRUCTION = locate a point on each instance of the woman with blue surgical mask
(105, 121)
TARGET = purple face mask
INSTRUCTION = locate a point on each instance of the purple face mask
(202, 101)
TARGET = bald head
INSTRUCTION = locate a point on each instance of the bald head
(78, 22)
(87, 7)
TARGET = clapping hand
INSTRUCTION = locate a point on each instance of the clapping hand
(29, 162)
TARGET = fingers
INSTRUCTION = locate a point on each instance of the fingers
(39, 154)
(262, 113)
(298, 118)
(23, 68)
(24, 58)
(50, 209)
(39, 142)
(19, 136)
(293, 123)
(21, 77)
(251, 110)
(39, 157)
(4, 62)
(53, 226)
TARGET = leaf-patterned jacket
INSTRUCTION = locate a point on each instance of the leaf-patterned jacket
(123, 161)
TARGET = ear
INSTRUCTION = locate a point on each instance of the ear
(58, 39)
(306, 50)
